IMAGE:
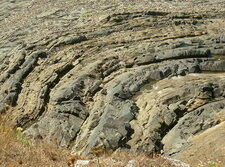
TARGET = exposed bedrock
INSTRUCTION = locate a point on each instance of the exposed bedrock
(141, 80)
(174, 110)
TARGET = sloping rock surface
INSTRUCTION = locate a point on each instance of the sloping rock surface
(142, 75)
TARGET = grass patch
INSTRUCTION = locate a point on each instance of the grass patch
(211, 164)
(120, 158)
(87, 15)
(16, 150)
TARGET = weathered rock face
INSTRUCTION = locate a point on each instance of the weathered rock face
(135, 78)
(181, 108)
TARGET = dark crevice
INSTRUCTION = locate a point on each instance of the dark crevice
(175, 58)
(61, 73)
(30, 64)
(18, 64)
(46, 95)
(119, 17)
(179, 114)
(73, 140)
(123, 141)
(165, 128)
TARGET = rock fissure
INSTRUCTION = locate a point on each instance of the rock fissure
(13, 84)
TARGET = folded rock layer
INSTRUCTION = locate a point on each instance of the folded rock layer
(145, 76)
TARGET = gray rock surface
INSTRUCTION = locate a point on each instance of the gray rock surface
(143, 76)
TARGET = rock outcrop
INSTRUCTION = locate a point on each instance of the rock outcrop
(143, 76)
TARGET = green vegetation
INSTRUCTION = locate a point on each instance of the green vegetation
(16, 151)
(20, 137)
(87, 15)
(212, 164)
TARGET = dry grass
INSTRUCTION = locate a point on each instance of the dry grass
(15, 153)
(120, 158)
(207, 149)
